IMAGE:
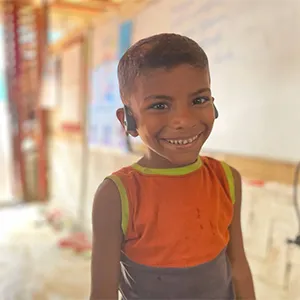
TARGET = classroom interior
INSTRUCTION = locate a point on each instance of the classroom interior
(59, 136)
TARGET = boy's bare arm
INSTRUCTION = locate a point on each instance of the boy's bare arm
(242, 277)
(107, 239)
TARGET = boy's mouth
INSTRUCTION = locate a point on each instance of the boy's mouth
(182, 142)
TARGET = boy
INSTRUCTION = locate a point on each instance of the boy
(168, 227)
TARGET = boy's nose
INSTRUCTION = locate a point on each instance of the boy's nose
(182, 118)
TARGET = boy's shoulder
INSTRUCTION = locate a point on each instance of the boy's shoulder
(124, 171)
(217, 163)
(123, 177)
(210, 160)
(213, 163)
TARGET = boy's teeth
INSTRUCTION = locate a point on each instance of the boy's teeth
(183, 142)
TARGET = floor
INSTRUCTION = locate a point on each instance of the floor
(32, 267)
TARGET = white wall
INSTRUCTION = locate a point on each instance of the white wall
(5, 145)
(5, 155)
(253, 47)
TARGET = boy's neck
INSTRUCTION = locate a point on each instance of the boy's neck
(154, 161)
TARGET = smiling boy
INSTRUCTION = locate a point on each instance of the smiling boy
(168, 227)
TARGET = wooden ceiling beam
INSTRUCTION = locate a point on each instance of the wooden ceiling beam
(80, 10)
(75, 36)
(73, 9)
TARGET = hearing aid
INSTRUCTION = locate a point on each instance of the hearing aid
(129, 121)
(216, 112)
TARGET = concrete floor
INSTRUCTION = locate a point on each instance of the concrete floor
(33, 268)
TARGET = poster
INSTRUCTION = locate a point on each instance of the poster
(105, 42)
(104, 127)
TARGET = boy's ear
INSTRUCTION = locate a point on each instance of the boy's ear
(121, 117)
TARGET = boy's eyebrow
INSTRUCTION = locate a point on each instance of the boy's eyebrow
(200, 91)
(165, 97)
(158, 97)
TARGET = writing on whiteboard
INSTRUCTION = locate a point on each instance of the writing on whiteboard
(204, 22)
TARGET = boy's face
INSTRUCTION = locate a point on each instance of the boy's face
(174, 112)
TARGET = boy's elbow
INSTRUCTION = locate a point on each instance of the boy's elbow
(241, 271)
(110, 296)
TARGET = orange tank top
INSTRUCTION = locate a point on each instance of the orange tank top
(176, 217)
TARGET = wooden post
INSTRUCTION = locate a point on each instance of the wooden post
(86, 68)
(11, 10)
(42, 44)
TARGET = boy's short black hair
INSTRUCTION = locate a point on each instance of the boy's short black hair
(166, 50)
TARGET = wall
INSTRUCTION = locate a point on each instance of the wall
(248, 144)
(5, 155)
(268, 215)
(67, 148)
(254, 68)
(5, 142)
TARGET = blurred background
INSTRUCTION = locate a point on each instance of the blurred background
(59, 136)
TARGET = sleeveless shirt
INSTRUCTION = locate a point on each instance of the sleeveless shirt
(175, 224)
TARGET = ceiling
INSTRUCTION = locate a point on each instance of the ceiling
(84, 8)
(71, 17)
(71, 13)
(74, 13)
(78, 11)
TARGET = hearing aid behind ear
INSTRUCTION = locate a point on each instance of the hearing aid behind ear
(216, 112)
(129, 122)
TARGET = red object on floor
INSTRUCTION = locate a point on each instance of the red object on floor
(257, 182)
(82, 248)
(77, 241)
(53, 215)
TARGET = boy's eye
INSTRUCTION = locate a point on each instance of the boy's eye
(200, 100)
(159, 106)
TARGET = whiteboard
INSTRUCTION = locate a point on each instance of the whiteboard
(253, 48)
